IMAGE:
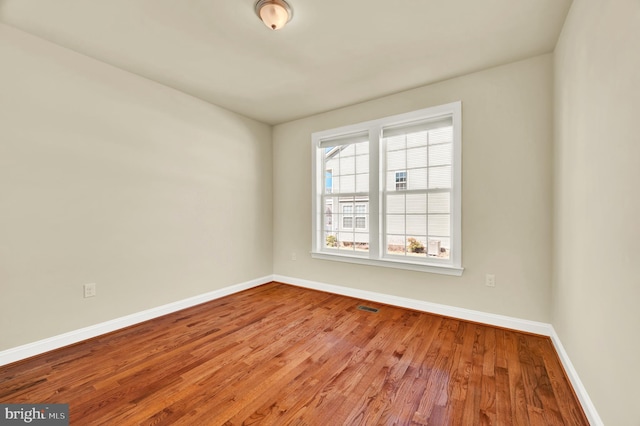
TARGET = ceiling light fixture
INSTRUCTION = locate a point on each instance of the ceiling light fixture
(274, 13)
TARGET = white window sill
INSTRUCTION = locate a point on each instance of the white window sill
(387, 263)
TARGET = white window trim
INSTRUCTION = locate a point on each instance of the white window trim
(452, 266)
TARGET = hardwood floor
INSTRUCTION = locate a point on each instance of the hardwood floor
(278, 354)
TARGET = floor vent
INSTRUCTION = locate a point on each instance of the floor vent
(367, 308)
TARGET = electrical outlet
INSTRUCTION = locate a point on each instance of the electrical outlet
(490, 280)
(89, 290)
(293, 256)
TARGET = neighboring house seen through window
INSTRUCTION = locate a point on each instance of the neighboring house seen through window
(389, 191)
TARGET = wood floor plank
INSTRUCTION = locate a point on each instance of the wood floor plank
(283, 355)
(487, 406)
(471, 413)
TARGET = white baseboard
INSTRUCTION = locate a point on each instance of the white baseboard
(535, 327)
(420, 305)
(578, 387)
(36, 348)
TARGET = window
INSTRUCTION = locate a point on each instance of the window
(393, 186)
(401, 181)
(328, 181)
(348, 216)
(347, 222)
(361, 216)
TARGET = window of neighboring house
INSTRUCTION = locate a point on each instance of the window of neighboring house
(347, 216)
(397, 183)
(361, 216)
(401, 181)
(328, 181)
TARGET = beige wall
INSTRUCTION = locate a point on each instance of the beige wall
(596, 287)
(109, 178)
(506, 198)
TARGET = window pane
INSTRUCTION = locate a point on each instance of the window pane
(348, 150)
(362, 148)
(395, 204)
(345, 241)
(336, 184)
(352, 241)
(417, 179)
(440, 154)
(396, 244)
(362, 183)
(439, 247)
(395, 224)
(439, 225)
(361, 222)
(331, 222)
(391, 181)
(417, 224)
(396, 160)
(361, 241)
(333, 163)
(347, 222)
(395, 143)
(416, 203)
(330, 240)
(440, 177)
(441, 135)
(347, 165)
(417, 246)
(439, 202)
(444, 242)
(347, 183)
(362, 164)
(417, 157)
(329, 214)
(329, 202)
(416, 139)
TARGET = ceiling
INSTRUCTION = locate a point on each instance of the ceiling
(332, 54)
